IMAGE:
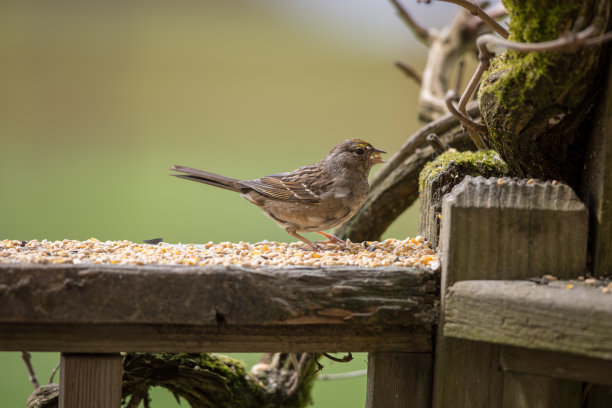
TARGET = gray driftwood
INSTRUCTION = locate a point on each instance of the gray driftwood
(105, 308)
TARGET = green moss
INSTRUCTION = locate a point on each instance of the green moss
(205, 380)
(543, 20)
(483, 162)
(533, 102)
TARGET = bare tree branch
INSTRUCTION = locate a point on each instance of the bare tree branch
(439, 126)
(421, 33)
(475, 130)
(410, 72)
(27, 359)
(475, 10)
(436, 143)
(53, 372)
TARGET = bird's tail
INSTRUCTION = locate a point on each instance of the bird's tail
(209, 178)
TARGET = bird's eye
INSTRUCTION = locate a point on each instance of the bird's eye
(359, 151)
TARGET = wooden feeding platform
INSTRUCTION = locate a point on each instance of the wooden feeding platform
(108, 306)
(95, 297)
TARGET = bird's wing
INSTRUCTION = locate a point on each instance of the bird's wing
(304, 184)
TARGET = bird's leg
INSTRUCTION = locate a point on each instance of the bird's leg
(331, 239)
(314, 246)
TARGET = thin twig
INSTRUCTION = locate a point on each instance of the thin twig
(460, 69)
(342, 376)
(27, 358)
(422, 33)
(53, 372)
(473, 8)
(475, 129)
(319, 368)
(436, 143)
(497, 11)
(410, 72)
(568, 42)
(447, 48)
(344, 359)
(416, 140)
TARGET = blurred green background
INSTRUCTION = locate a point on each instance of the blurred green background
(99, 99)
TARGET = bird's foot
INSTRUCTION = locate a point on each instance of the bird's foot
(331, 239)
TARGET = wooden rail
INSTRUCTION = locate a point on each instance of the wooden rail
(544, 317)
(108, 308)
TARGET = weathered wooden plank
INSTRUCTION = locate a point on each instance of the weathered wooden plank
(467, 374)
(597, 181)
(524, 390)
(217, 295)
(90, 380)
(106, 338)
(399, 380)
(512, 230)
(598, 396)
(518, 313)
(440, 176)
(499, 229)
(558, 365)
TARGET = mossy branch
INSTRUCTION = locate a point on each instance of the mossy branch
(204, 381)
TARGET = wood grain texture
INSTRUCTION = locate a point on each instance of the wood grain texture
(90, 380)
(216, 295)
(558, 365)
(512, 230)
(467, 374)
(104, 338)
(104, 308)
(399, 380)
(545, 317)
(524, 390)
(597, 182)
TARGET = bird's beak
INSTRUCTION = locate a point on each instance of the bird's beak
(375, 156)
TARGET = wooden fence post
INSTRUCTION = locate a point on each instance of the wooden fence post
(399, 380)
(503, 229)
(90, 380)
(597, 191)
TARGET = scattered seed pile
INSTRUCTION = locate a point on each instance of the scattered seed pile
(603, 283)
(391, 252)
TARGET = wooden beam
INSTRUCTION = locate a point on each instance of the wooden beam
(597, 181)
(105, 308)
(558, 365)
(545, 317)
(90, 380)
(106, 338)
(525, 390)
(399, 380)
(217, 295)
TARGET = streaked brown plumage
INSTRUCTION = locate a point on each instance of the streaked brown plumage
(309, 199)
